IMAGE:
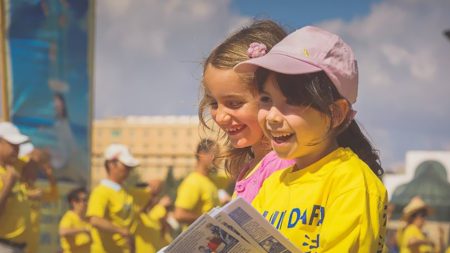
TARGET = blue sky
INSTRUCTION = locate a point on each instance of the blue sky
(294, 14)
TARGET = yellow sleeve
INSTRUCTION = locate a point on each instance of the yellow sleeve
(98, 202)
(188, 196)
(157, 212)
(66, 221)
(354, 222)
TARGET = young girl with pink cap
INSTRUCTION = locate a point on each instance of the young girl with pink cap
(332, 199)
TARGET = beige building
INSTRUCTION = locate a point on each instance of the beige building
(157, 141)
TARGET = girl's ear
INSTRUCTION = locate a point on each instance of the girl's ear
(339, 111)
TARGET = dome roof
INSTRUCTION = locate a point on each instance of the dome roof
(430, 183)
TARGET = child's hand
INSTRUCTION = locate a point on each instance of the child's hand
(165, 201)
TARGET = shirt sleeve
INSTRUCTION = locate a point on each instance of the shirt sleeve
(98, 202)
(188, 196)
(66, 222)
(354, 222)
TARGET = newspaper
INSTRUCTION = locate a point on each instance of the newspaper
(235, 227)
(207, 235)
(250, 221)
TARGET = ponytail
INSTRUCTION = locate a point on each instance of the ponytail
(353, 138)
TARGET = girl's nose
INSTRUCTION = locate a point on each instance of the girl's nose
(274, 117)
(222, 117)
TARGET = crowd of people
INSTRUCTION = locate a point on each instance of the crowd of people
(291, 145)
(113, 217)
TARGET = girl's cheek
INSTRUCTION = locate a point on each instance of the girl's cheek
(262, 118)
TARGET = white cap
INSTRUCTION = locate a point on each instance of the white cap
(122, 154)
(11, 133)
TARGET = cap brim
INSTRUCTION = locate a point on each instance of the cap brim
(130, 162)
(430, 211)
(16, 139)
(279, 63)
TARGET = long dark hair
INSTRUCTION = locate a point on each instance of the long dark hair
(318, 91)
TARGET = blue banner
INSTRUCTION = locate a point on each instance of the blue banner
(48, 43)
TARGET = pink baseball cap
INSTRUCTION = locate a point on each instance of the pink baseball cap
(308, 50)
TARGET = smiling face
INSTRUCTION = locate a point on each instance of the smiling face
(233, 106)
(296, 131)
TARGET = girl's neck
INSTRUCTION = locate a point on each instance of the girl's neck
(259, 150)
(202, 169)
(80, 213)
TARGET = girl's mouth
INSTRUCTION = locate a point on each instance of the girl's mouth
(235, 130)
(280, 138)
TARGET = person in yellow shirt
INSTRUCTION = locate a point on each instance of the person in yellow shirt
(111, 209)
(14, 206)
(331, 199)
(412, 238)
(35, 160)
(152, 229)
(74, 228)
(197, 194)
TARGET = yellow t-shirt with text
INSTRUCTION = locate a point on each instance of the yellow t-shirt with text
(79, 243)
(115, 204)
(336, 205)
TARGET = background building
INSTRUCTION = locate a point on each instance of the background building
(159, 142)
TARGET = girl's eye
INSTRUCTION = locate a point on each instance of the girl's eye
(234, 104)
(213, 105)
(264, 99)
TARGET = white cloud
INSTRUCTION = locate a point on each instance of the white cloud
(404, 64)
(148, 53)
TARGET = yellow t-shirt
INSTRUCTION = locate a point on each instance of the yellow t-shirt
(334, 205)
(112, 202)
(148, 231)
(413, 232)
(79, 243)
(15, 218)
(149, 235)
(197, 193)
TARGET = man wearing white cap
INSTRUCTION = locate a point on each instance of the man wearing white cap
(14, 206)
(111, 207)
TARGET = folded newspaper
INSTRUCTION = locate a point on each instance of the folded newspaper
(235, 227)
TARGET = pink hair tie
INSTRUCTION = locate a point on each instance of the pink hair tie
(256, 49)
